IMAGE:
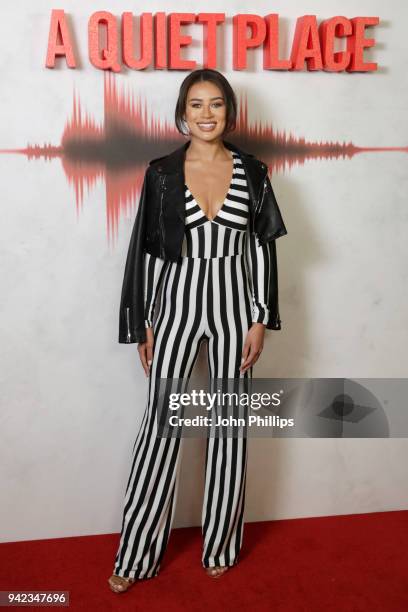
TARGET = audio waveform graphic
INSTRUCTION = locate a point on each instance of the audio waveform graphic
(118, 149)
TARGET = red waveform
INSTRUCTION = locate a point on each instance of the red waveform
(118, 149)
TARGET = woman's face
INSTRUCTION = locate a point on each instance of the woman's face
(205, 111)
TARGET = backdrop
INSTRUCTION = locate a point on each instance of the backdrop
(75, 144)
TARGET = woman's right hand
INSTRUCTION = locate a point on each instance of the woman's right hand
(146, 350)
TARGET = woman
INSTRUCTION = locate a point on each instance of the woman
(205, 232)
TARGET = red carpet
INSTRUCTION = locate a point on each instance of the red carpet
(345, 563)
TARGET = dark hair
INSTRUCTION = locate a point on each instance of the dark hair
(207, 74)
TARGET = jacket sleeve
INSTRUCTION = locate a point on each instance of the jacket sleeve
(263, 263)
(131, 313)
(154, 268)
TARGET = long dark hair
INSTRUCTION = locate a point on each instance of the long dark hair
(207, 74)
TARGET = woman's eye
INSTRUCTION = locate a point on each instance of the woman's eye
(197, 105)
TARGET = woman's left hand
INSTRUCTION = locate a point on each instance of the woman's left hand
(253, 346)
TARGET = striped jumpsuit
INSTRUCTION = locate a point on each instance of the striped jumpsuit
(216, 289)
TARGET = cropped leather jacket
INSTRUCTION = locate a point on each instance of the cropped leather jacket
(159, 230)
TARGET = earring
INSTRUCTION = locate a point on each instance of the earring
(188, 129)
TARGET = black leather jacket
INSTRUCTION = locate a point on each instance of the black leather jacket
(159, 229)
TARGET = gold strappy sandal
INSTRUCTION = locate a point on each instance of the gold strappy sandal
(119, 584)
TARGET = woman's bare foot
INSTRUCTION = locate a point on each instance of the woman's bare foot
(217, 571)
(119, 584)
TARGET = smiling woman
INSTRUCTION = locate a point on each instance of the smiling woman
(220, 286)
(209, 110)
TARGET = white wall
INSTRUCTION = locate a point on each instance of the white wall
(72, 397)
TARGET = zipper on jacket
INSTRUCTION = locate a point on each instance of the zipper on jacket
(128, 325)
(161, 223)
(263, 196)
(258, 204)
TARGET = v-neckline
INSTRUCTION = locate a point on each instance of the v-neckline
(226, 195)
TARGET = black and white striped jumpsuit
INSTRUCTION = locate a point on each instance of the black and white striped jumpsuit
(216, 289)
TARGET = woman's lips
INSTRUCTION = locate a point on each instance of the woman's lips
(206, 127)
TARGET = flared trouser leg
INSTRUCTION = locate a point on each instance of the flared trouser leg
(228, 321)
